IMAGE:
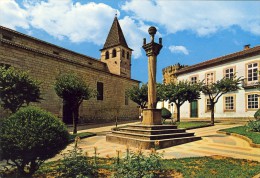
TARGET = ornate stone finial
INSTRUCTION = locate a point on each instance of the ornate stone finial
(152, 31)
(116, 14)
(144, 41)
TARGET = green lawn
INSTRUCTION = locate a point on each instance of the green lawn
(81, 135)
(213, 167)
(192, 124)
(243, 130)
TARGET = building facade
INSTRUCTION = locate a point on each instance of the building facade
(240, 104)
(110, 76)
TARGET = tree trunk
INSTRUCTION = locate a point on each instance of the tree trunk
(212, 114)
(178, 112)
(75, 114)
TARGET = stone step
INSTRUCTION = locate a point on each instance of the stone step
(152, 137)
(147, 144)
(151, 132)
(152, 127)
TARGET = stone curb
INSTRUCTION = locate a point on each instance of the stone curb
(242, 137)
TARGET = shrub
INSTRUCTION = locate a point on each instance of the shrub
(254, 126)
(31, 136)
(166, 114)
(75, 164)
(17, 88)
(138, 165)
(257, 114)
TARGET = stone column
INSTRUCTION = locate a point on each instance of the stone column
(152, 116)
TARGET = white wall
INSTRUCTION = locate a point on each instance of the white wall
(240, 69)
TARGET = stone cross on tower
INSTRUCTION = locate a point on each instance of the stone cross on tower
(152, 116)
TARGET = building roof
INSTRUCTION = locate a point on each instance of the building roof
(221, 60)
(115, 36)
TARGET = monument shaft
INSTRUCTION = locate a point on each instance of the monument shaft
(151, 115)
(152, 82)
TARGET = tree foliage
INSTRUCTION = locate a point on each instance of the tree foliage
(139, 95)
(30, 136)
(17, 88)
(73, 90)
(181, 92)
(217, 89)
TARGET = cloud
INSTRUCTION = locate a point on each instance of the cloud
(78, 22)
(179, 49)
(12, 16)
(75, 21)
(201, 17)
(134, 32)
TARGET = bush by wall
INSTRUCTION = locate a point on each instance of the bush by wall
(31, 136)
(166, 114)
(257, 114)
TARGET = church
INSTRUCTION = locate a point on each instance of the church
(110, 75)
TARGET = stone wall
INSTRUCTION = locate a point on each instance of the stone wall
(43, 64)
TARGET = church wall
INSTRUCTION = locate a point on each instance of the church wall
(38, 58)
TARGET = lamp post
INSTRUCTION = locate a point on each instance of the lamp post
(151, 115)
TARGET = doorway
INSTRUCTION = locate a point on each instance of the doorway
(194, 109)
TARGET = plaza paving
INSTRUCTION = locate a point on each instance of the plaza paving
(212, 143)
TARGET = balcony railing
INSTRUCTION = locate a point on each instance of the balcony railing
(250, 84)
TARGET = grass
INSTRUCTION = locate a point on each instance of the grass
(192, 124)
(213, 167)
(81, 135)
(243, 130)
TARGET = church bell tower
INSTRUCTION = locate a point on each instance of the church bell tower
(116, 53)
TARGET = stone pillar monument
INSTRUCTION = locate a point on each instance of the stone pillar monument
(151, 115)
(151, 133)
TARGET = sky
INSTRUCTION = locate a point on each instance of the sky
(191, 31)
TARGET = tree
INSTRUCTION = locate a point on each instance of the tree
(73, 90)
(17, 88)
(180, 92)
(29, 137)
(139, 95)
(216, 90)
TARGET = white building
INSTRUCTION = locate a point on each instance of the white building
(240, 104)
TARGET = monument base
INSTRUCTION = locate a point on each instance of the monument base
(152, 117)
(147, 136)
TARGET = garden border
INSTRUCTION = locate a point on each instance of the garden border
(254, 145)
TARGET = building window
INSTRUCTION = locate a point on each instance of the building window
(208, 106)
(100, 90)
(209, 78)
(126, 99)
(123, 53)
(229, 73)
(252, 101)
(193, 80)
(56, 52)
(7, 37)
(127, 55)
(114, 53)
(252, 74)
(229, 103)
(107, 55)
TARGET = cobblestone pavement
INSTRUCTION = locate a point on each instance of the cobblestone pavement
(212, 143)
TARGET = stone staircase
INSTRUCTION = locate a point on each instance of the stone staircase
(145, 136)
